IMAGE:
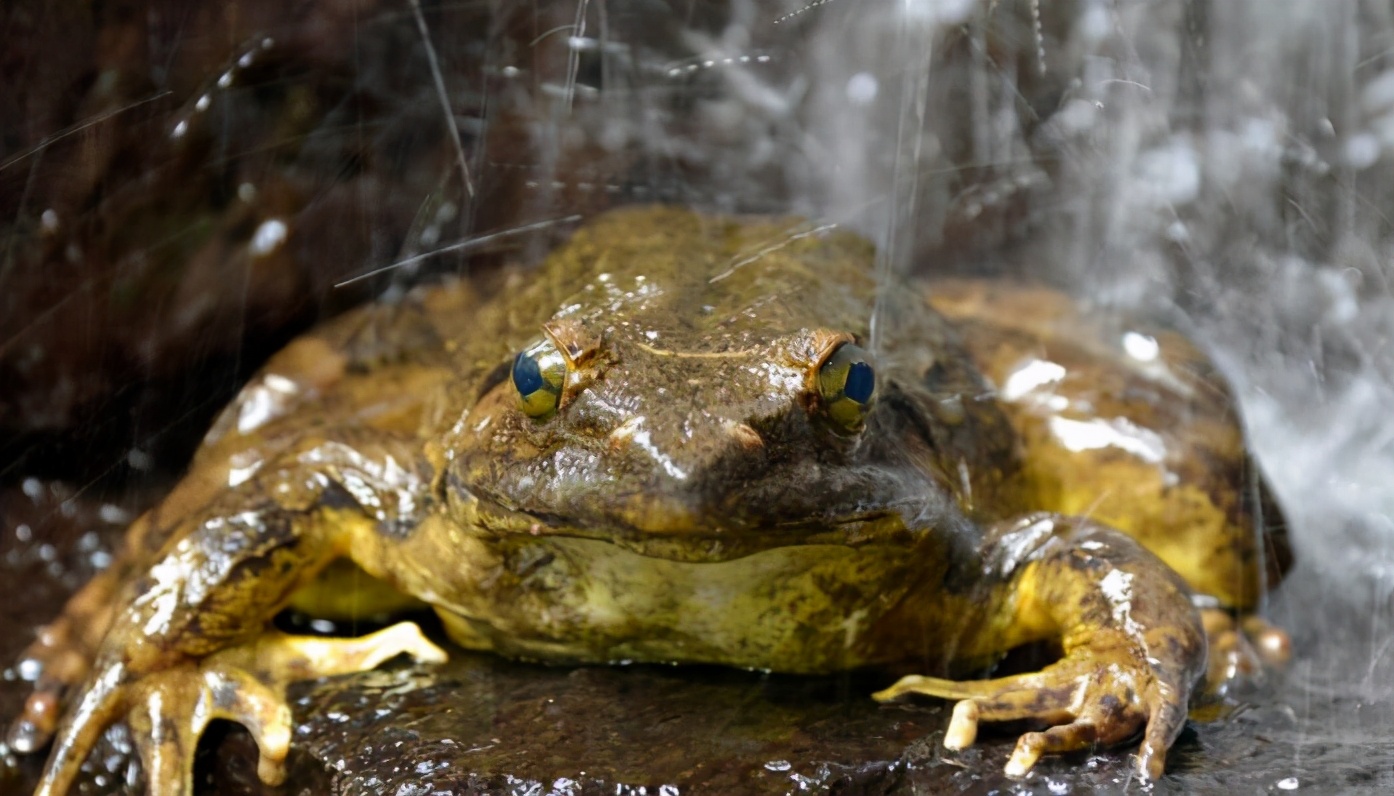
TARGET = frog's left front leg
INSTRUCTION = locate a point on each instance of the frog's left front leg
(189, 641)
(1134, 646)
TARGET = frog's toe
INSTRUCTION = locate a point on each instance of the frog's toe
(1078, 734)
(60, 659)
(1104, 719)
(306, 657)
(34, 726)
(57, 662)
(167, 710)
(95, 707)
(1241, 649)
(1091, 700)
(1272, 643)
(257, 701)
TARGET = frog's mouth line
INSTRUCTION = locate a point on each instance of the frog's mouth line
(689, 541)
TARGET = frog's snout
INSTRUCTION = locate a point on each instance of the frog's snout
(704, 448)
(742, 435)
(711, 472)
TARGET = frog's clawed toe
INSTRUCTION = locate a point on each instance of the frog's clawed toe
(168, 709)
(34, 727)
(1100, 699)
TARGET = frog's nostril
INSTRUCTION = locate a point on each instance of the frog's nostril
(745, 436)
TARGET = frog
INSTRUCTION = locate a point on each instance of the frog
(698, 439)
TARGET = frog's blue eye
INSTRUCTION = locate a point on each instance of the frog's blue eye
(538, 375)
(527, 376)
(847, 382)
(861, 380)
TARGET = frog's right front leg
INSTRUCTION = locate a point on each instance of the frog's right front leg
(1132, 642)
(189, 643)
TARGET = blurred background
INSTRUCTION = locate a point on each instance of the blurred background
(185, 186)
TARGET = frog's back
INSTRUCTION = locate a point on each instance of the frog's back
(1130, 426)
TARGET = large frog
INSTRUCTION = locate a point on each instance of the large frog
(689, 438)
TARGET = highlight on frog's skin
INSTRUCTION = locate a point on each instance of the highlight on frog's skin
(539, 372)
(847, 383)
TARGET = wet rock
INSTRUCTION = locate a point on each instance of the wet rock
(481, 724)
(484, 725)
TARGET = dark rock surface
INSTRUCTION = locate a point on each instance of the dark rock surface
(484, 725)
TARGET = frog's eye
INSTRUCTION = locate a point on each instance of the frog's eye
(847, 383)
(539, 372)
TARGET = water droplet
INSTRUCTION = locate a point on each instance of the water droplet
(113, 514)
(268, 237)
(29, 670)
(862, 88)
(1141, 347)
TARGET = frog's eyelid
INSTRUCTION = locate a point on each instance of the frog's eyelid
(826, 342)
(540, 346)
(560, 345)
(572, 341)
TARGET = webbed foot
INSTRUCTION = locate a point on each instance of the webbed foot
(168, 709)
(1103, 692)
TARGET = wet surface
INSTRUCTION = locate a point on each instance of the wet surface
(715, 732)
(483, 724)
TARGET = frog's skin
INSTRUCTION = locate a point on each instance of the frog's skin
(694, 497)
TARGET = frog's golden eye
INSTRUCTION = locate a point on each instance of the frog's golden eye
(539, 372)
(847, 382)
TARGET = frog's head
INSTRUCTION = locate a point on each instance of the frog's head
(691, 399)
